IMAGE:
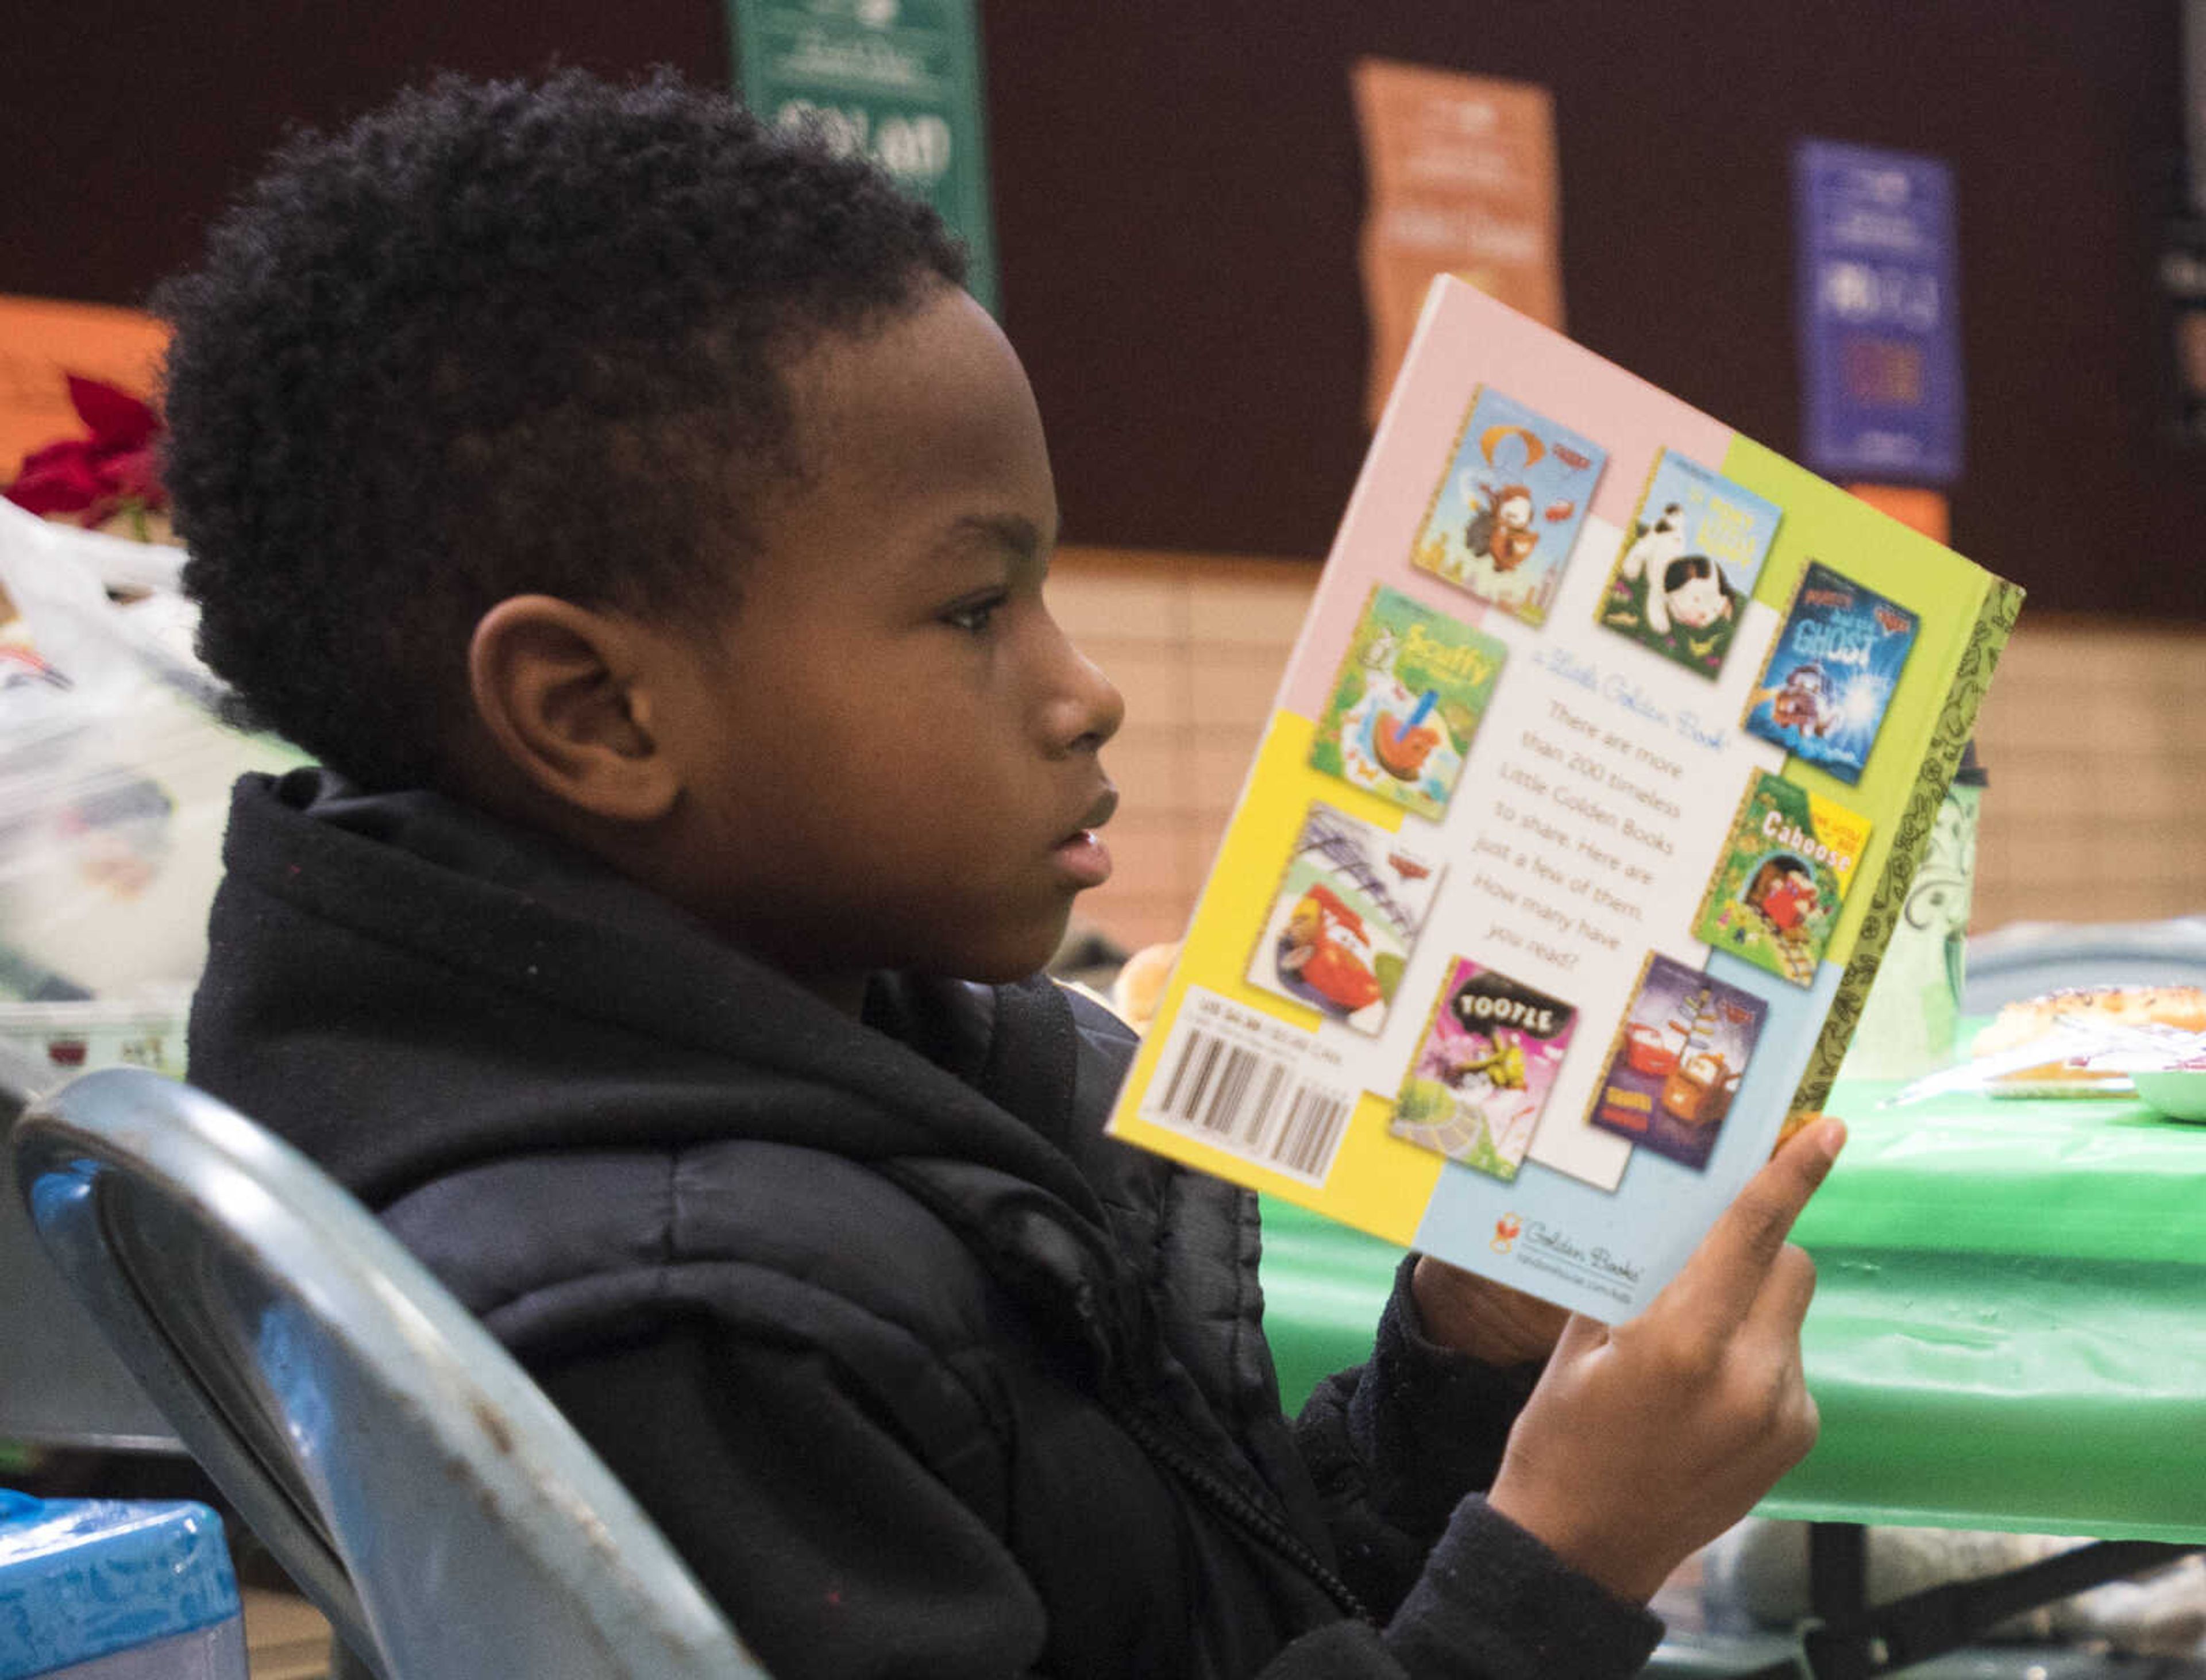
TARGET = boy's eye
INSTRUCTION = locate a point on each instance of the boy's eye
(976, 616)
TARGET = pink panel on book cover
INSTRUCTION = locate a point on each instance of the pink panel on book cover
(1636, 421)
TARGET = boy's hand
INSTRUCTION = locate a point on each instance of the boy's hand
(1645, 1441)
(1489, 1321)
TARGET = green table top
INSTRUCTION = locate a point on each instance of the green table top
(2009, 1329)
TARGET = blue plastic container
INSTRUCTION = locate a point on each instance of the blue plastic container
(105, 1589)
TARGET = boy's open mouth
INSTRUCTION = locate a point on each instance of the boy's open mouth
(1082, 855)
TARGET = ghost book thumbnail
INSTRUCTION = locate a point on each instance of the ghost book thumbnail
(1828, 681)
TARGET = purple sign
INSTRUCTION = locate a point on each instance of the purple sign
(1880, 338)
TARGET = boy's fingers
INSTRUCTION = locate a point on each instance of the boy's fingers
(1725, 1273)
(1785, 1293)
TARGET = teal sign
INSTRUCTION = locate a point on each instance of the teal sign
(899, 79)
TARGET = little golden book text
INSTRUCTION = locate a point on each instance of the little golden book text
(1608, 751)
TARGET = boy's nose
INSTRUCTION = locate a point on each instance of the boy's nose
(1088, 707)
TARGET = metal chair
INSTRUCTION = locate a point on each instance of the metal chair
(414, 1481)
(60, 1384)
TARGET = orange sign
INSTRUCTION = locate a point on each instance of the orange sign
(1920, 510)
(1462, 179)
(42, 341)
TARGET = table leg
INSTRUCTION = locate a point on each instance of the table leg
(1838, 1645)
(1848, 1639)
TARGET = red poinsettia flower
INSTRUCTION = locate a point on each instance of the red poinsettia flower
(114, 471)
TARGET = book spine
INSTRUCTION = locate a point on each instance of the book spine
(1995, 618)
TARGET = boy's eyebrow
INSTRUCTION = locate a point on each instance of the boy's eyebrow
(1014, 532)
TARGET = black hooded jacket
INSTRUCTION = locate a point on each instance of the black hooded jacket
(921, 1374)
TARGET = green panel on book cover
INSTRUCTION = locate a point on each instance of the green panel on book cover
(899, 80)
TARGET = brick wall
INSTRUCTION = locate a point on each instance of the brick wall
(2097, 760)
(1197, 644)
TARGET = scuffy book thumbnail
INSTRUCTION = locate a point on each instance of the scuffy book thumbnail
(1412, 686)
(1601, 767)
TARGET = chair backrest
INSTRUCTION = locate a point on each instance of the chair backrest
(60, 1384)
(405, 1470)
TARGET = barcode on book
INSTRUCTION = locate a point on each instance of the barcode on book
(1248, 1099)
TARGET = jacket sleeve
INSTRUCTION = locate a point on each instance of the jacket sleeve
(1401, 1450)
(1491, 1603)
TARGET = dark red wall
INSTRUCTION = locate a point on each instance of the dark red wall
(1178, 189)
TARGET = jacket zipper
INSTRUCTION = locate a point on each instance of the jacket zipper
(1236, 1506)
(1212, 1488)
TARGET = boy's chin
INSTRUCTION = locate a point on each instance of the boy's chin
(1000, 972)
(1003, 961)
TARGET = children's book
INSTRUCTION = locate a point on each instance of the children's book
(1348, 911)
(1485, 1066)
(1822, 695)
(1503, 518)
(1775, 898)
(1557, 884)
(1678, 1062)
(1412, 686)
(1689, 563)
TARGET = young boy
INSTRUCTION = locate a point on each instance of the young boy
(631, 510)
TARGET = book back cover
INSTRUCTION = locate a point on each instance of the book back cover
(1577, 830)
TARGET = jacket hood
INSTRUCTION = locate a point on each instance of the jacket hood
(402, 986)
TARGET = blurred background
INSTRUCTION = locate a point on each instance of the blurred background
(1176, 205)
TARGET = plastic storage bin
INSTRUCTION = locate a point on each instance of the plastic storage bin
(102, 1589)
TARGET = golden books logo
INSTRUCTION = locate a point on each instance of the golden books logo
(1506, 1229)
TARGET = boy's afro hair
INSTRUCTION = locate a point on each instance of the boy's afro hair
(497, 339)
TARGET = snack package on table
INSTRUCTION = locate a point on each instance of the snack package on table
(2085, 1041)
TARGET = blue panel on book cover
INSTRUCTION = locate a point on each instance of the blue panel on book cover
(1879, 315)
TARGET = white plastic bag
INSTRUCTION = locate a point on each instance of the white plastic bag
(114, 771)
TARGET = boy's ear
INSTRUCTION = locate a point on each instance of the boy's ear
(568, 695)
